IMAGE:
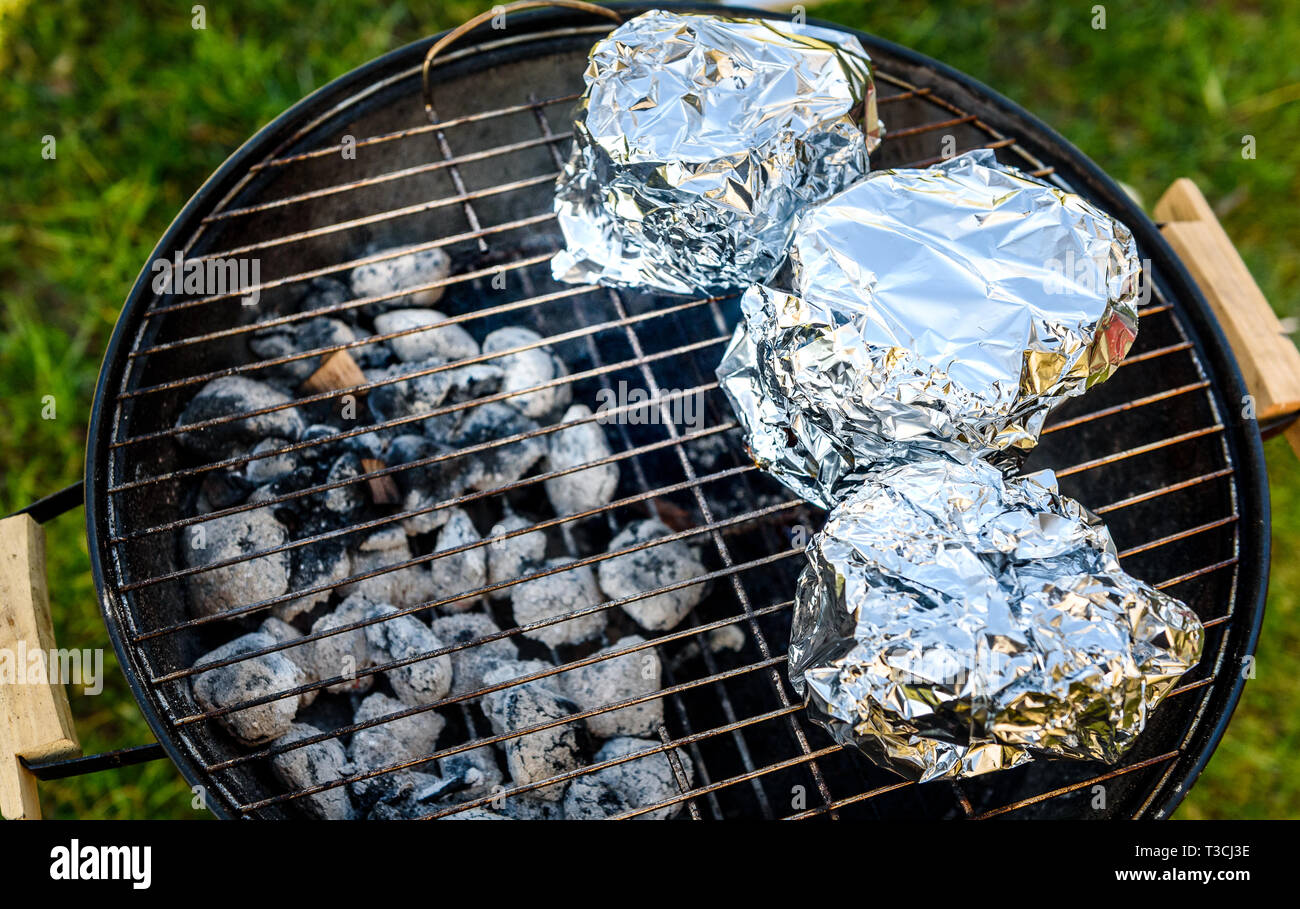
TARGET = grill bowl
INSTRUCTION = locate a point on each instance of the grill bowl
(1161, 449)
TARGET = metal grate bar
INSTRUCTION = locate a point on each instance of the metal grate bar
(729, 571)
(347, 265)
(668, 746)
(1180, 535)
(402, 515)
(416, 170)
(420, 560)
(448, 366)
(384, 217)
(402, 421)
(493, 740)
(356, 303)
(670, 637)
(1063, 790)
(414, 131)
(1163, 490)
(1139, 450)
(809, 758)
(706, 512)
(1126, 406)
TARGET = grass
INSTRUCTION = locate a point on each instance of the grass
(143, 106)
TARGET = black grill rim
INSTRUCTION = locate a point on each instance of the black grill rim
(1242, 436)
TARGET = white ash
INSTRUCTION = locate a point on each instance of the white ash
(403, 637)
(461, 571)
(394, 742)
(474, 814)
(447, 344)
(347, 499)
(498, 465)
(430, 517)
(327, 293)
(315, 765)
(231, 395)
(344, 654)
(509, 670)
(224, 488)
(376, 355)
(268, 469)
(298, 337)
(638, 783)
(556, 594)
(250, 678)
(467, 775)
(406, 447)
(712, 451)
(532, 806)
(516, 556)
(469, 665)
(245, 582)
(314, 433)
(417, 733)
(314, 565)
(477, 380)
(537, 755)
(528, 368)
(402, 587)
(618, 679)
(584, 490)
(650, 568)
(410, 270)
(425, 486)
(398, 800)
(411, 396)
(367, 444)
(726, 638)
(377, 748)
(282, 632)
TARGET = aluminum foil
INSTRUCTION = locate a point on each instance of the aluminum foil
(944, 310)
(951, 622)
(697, 141)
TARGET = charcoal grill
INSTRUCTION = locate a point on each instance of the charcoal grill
(1162, 451)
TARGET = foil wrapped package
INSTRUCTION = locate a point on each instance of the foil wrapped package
(943, 310)
(951, 622)
(697, 141)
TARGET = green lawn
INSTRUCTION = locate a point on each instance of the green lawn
(143, 107)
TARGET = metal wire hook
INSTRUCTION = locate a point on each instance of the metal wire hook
(467, 27)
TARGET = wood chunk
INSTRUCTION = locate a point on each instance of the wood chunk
(383, 490)
(673, 516)
(336, 371)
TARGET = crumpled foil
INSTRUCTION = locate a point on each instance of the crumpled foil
(697, 141)
(942, 310)
(951, 622)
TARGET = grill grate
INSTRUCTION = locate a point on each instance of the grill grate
(1147, 450)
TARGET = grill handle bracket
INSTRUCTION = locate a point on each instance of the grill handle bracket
(35, 717)
(1268, 358)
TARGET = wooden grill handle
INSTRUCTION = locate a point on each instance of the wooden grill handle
(35, 718)
(1268, 358)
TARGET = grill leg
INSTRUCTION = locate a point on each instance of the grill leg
(35, 718)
